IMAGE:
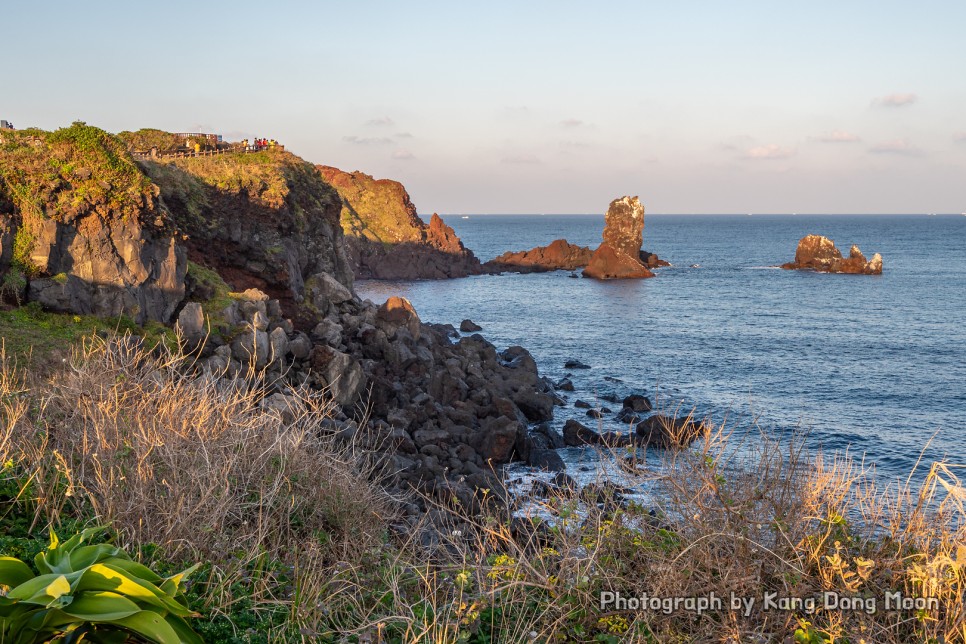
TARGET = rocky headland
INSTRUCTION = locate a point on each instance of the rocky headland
(817, 253)
(386, 239)
(245, 255)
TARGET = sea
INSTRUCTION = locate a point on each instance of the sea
(874, 366)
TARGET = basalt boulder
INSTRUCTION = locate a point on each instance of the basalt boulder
(669, 432)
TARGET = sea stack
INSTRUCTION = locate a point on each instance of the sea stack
(619, 256)
(819, 253)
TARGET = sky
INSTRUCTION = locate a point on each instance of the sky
(848, 106)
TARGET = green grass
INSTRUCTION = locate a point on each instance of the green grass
(38, 339)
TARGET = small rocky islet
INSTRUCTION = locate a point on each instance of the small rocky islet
(253, 257)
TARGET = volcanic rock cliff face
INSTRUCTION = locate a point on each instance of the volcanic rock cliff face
(265, 220)
(819, 253)
(619, 256)
(268, 287)
(385, 237)
(83, 230)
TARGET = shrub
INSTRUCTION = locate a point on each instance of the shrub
(86, 591)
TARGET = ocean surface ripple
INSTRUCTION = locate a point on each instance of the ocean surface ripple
(876, 364)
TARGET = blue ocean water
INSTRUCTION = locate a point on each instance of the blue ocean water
(876, 364)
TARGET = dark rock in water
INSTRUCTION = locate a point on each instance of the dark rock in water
(565, 384)
(446, 329)
(612, 379)
(652, 261)
(616, 440)
(667, 432)
(573, 363)
(819, 253)
(595, 413)
(559, 255)
(638, 403)
(575, 434)
(618, 257)
(581, 404)
(546, 459)
(609, 396)
(565, 482)
(468, 326)
(555, 439)
(606, 494)
(628, 415)
(574, 276)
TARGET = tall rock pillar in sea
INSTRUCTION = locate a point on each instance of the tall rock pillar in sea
(619, 255)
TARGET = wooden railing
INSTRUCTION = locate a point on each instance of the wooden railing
(141, 155)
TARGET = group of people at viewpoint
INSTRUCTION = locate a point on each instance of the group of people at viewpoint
(259, 144)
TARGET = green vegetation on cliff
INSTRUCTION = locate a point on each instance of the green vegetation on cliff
(375, 209)
(69, 172)
(273, 179)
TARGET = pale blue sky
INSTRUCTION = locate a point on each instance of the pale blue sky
(553, 107)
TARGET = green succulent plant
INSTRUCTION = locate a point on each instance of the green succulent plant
(86, 592)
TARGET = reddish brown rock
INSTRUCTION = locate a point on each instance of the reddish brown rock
(619, 256)
(559, 255)
(385, 237)
(819, 253)
(398, 312)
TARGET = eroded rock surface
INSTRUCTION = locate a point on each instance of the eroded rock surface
(818, 253)
(619, 255)
(558, 255)
(385, 237)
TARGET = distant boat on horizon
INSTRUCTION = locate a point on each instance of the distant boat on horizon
(465, 217)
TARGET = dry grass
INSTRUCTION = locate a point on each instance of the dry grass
(727, 522)
(287, 518)
(192, 465)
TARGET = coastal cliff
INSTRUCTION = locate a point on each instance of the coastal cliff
(245, 253)
(385, 237)
(83, 230)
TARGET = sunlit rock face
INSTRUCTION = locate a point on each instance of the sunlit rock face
(619, 255)
(819, 253)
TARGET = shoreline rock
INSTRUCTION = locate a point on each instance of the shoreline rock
(558, 255)
(818, 253)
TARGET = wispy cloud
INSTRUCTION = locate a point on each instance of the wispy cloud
(769, 152)
(367, 140)
(520, 159)
(959, 137)
(895, 100)
(574, 144)
(837, 136)
(900, 147)
(403, 135)
(403, 155)
(572, 123)
(382, 121)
